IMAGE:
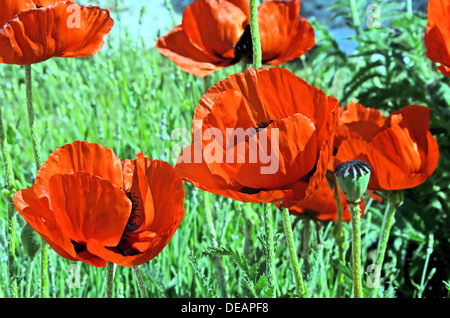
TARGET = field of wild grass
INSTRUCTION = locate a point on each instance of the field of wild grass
(129, 98)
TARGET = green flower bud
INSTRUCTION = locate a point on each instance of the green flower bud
(353, 179)
(31, 240)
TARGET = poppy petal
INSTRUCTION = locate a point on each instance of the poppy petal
(437, 34)
(60, 30)
(37, 212)
(137, 184)
(292, 161)
(284, 35)
(12, 7)
(88, 207)
(168, 193)
(214, 26)
(81, 156)
(190, 58)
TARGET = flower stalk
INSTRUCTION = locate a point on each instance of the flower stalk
(256, 41)
(270, 248)
(295, 265)
(7, 191)
(110, 267)
(356, 249)
(394, 200)
(38, 162)
(353, 178)
(140, 281)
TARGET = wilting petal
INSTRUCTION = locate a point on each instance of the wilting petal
(36, 35)
(284, 35)
(81, 156)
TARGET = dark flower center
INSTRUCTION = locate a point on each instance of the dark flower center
(247, 190)
(243, 49)
(131, 224)
(264, 124)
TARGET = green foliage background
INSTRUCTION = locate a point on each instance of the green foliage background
(130, 98)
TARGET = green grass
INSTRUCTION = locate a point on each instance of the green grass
(130, 98)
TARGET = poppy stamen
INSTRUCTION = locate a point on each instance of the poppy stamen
(135, 206)
(262, 125)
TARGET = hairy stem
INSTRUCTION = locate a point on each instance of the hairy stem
(9, 188)
(270, 255)
(38, 162)
(300, 285)
(356, 249)
(212, 230)
(109, 279)
(393, 201)
(256, 42)
(140, 281)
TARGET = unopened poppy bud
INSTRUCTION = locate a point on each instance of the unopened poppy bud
(31, 241)
(353, 179)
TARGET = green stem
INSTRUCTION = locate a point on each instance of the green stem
(338, 235)
(109, 279)
(140, 282)
(301, 289)
(212, 230)
(38, 162)
(29, 277)
(9, 188)
(270, 255)
(30, 112)
(425, 267)
(356, 249)
(393, 201)
(409, 8)
(206, 83)
(256, 42)
(355, 16)
(305, 243)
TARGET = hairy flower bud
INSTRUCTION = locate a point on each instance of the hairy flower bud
(31, 240)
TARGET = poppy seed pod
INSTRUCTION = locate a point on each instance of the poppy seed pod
(353, 178)
(31, 240)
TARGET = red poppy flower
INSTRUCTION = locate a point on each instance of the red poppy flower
(35, 31)
(400, 148)
(322, 206)
(91, 207)
(216, 33)
(437, 34)
(260, 136)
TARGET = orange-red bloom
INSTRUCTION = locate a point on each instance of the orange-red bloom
(216, 33)
(260, 136)
(322, 205)
(91, 207)
(437, 34)
(399, 148)
(32, 31)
